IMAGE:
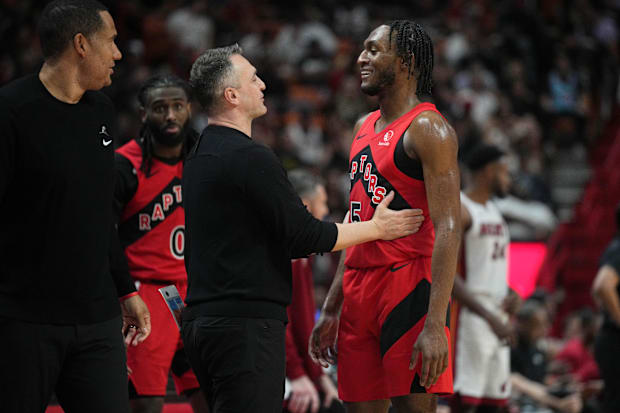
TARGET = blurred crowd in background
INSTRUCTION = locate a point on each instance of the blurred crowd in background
(537, 78)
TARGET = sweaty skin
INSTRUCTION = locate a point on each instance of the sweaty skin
(433, 141)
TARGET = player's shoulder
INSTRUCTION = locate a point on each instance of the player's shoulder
(360, 121)
(359, 124)
(430, 128)
(431, 122)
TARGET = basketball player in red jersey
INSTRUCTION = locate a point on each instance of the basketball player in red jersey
(389, 309)
(149, 202)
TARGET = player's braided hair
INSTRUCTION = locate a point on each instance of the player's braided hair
(146, 136)
(414, 43)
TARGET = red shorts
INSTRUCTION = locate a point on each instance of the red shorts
(383, 312)
(151, 360)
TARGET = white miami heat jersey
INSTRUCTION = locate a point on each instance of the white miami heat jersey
(485, 249)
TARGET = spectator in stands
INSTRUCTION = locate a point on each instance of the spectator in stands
(576, 356)
(529, 362)
(565, 94)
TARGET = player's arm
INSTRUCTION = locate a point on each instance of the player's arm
(604, 290)
(468, 300)
(512, 302)
(432, 140)
(322, 345)
(460, 291)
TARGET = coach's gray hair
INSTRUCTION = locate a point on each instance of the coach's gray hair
(304, 182)
(211, 73)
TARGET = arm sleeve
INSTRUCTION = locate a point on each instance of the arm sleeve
(126, 184)
(7, 149)
(280, 208)
(118, 266)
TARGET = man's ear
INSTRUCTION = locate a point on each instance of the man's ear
(404, 65)
(231, 95)
(142, 114)
(80, 44)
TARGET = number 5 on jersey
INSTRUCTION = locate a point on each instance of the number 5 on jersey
(356, 210)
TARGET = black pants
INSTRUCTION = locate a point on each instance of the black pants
(239, 362)
(607, 354)
(84, 364)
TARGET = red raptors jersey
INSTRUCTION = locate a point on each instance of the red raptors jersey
(373, 173)
(152, 224)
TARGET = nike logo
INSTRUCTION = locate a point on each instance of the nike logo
(361, 136)
(394, 269)
(106, 143)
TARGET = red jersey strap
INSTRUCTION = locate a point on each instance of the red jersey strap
(368, 127)
(392, 131)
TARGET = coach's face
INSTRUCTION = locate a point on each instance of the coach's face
(99, 55)
(250, 87)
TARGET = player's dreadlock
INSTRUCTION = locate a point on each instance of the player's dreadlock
(412, 42)
(146, 136)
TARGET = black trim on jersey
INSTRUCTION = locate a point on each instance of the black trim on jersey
(168, 161)
(410, 167)
(398, 202)
(129, 230)
(415, 385)
(407, 314)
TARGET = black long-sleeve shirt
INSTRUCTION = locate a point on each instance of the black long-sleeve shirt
(243, 224)
(56, 192)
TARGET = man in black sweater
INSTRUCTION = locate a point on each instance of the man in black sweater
(59, 288)
(244, 223)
